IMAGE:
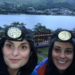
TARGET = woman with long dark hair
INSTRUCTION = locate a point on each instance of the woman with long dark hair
(17, 52)
(61, 55)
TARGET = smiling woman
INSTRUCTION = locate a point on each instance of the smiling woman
(18, 55)
(61, 55)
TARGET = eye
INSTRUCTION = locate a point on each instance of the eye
(9, 45)
(57, 50)
(23, 47)
(68, 51)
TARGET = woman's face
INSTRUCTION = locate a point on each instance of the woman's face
(62, 55)
(16, 53)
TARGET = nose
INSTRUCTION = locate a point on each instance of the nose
(15, 52)
(62, 55)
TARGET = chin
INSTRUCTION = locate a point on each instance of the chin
(62, 68)
(14, 67)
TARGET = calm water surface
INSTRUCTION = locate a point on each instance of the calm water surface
(51, 22)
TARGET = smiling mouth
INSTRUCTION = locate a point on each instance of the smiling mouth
(61, 62)
(14, 60)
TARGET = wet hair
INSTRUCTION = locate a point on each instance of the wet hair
(50, 68)
(30, 65)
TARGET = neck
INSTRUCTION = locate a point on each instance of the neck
(12, 71)
(61, 72)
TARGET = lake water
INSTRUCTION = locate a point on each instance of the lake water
(50, 21)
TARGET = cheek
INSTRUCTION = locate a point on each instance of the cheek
(5, 52)
(25, 53)
(54, 54)
(70, 57)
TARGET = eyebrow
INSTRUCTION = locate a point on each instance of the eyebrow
(9, 41)
(69, 48)
(13, 43)
(60, 47)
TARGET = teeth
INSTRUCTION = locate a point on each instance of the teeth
(61, 62)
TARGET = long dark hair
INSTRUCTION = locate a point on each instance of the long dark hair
(50, 68)
(33, 59)
(28, 68)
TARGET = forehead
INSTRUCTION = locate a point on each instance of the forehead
(17, 42)
(63, 44)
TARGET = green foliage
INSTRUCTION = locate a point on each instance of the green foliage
(43, 54)
(31, 31)
(44, 50)
(6, 26)
(57, 29)
(20, 6)
(39, 58)
(59, 1)
(1, 32)
(73, 29)
(33, 1)
(1, 28)
(39, 28)
(17, 23)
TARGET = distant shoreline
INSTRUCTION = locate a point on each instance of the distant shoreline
(33, 14)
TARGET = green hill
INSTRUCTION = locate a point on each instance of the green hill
(21, 1)
(37, 1)
(21, 5)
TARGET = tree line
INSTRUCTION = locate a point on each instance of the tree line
(7, 7)
(37, 28)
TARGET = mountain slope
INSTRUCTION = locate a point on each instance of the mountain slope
(36, 1)
(42, 3)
